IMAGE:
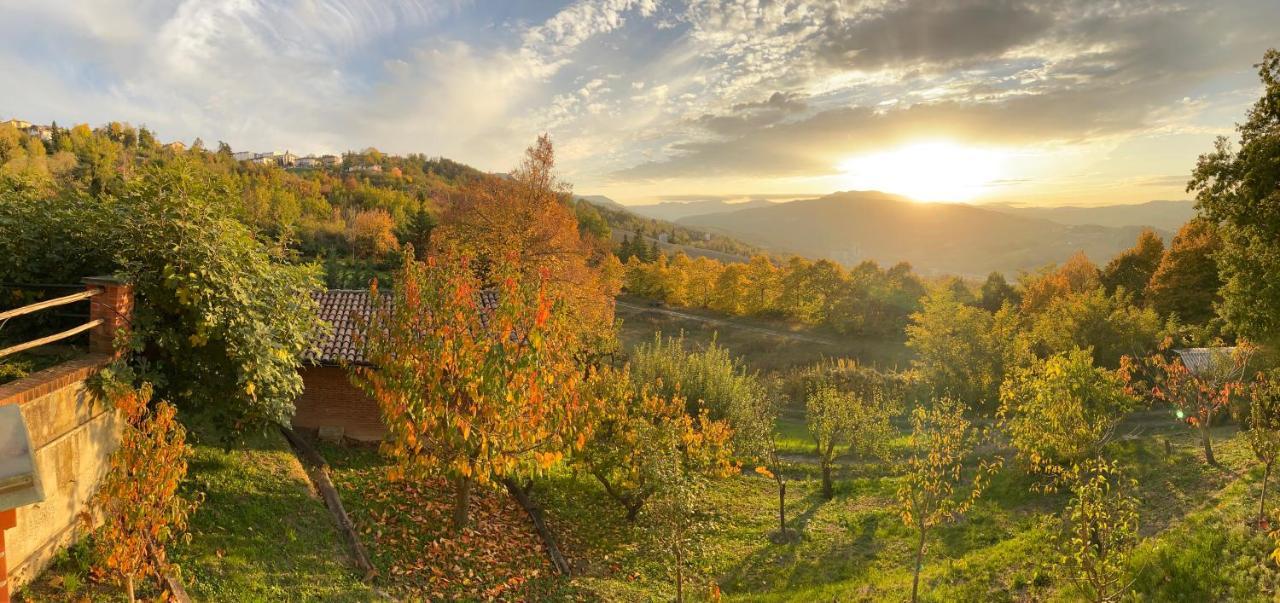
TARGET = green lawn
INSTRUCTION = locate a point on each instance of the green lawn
(260, 535)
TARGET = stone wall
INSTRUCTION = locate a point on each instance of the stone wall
(73, 433)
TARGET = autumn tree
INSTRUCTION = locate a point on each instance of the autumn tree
(1186, 282)
(1100, 529)
(936, 489)
(1238, 188)
(1061, 411)
(678, 519)
(634, 427)
(840, 420)
(1076, 275)
(1200, 394)
(1132, 268)
(1264, 429)
(142, 510)
(471, 393)
(1108, 324)
(528, 216)
(371, 232)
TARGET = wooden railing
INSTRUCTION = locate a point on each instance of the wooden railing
(44, 305)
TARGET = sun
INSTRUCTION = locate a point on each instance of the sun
(927, 171)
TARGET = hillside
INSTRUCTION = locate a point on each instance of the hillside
(850, 227)
(676, 210)
(1161, 215)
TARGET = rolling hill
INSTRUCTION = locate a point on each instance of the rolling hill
(676, 210)
(938, 238)
(1161, 215)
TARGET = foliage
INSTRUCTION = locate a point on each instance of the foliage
(371, 233)
(1186, 282)
(712, 377)
(962, 350)
(996, 292)
(1076, 275)
(138, 497)
(627, 446)
(842, 419)
(935, 489)
(1239, 190)
(1110, 325)
(1060, 411)
(1264, 429)
(678, 518)
(1200, 395)
(1132, 268)
(1100, 528)
(473, 394)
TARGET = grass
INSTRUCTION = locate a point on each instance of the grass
(261, 534)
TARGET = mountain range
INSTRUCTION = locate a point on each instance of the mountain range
(939, 238)
(672, 211)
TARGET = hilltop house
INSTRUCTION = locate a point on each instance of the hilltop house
(330, 403)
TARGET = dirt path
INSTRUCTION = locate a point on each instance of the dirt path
(726, 323)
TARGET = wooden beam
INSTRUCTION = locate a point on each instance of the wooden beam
(49, 303)
(50, 339)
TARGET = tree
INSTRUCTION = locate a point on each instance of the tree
(996, 292)
(417, 232)
(677, 519)
(1200, 394)
(712, 377)
(1239, 190)
(1108, 324)
(473, 394)
(762, 279)
(372, 231)
(1264, 430)
(839, 419)
(1100, 528)
(754, 419)
(629, 440)
(1060, 411)
(1076, 275)
(961, 350)
(1186, 282)
(138, 497)
(936, 489)
(1133, 267)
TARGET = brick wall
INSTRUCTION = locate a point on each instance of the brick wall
(72, 434)
(330, 400)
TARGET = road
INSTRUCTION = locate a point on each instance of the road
(717, 322)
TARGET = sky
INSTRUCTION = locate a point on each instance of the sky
(1062, 102)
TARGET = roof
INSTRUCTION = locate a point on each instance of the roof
(1200, 360)
(347, 311)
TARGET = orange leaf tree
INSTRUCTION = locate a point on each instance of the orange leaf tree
(138, 497)
(1199, 395)
(473, 393)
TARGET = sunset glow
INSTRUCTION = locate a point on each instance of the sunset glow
(927, 171)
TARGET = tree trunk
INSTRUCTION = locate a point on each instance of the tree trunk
(461, 503)
(539, 524)
(128, 586)
(1262, 503)
(1208, 445)
(827, 489)
(915, 578)
(679, 576)
(782, 506)
(633, 510)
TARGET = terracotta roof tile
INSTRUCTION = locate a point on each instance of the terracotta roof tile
(347, 311)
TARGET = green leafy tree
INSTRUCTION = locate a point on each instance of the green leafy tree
(936, 489)
(962, 350)
(1060, 411)
(996, 292)
(678, 518)
(1186, 282)
(1100, 529)
(1132, 268)
(1109, 324)
(840, 420)
(1239, 189)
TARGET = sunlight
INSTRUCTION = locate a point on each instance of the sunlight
(926, 171)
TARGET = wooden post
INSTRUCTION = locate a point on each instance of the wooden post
(8, 519)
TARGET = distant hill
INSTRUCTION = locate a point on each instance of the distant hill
(850, 227)
(1161, 215)
(602, 201)
(676, 210)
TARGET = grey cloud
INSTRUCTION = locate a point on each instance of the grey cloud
(931, 32)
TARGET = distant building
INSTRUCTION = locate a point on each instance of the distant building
(244, 155)
(287, 159)
(375, 168)
(44, 133)
(176, 146)
(264, 159)
(17, 123)
(310, 161)
(331, 160)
